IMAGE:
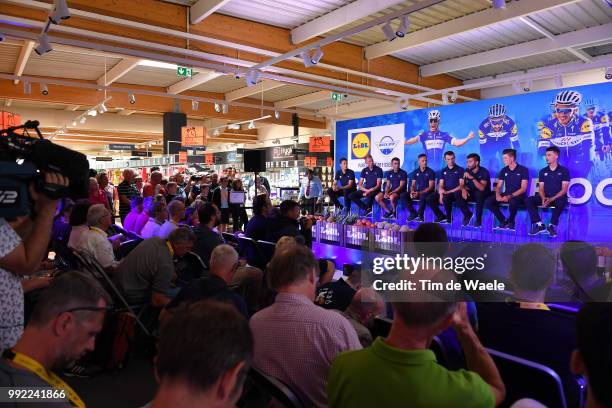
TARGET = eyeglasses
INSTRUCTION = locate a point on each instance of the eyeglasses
(564, 110)
(433, 120)
(497, 121)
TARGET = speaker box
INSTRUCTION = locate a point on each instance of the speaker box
(173, 122)
(254, 160)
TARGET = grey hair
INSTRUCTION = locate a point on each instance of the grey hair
(181, 234)
(175, 207)
(223, 255)
(95, 213)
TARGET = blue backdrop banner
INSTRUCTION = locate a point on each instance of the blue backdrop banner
(528, 123)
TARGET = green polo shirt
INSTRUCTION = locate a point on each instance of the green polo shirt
(384, 376)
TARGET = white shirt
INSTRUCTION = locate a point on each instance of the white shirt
(166, 228)
(11, 292)
(151, 228)
(95, 242)
(75, 235)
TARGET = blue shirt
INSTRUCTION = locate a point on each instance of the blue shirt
(433, 144)
(553, 180)
(512, 178)
(576, 140)
(371, 176)
(422, 178)
(395, 178)
(316, 188)
(481, 175)
(344, 178)
(452, 176)
(505, 138)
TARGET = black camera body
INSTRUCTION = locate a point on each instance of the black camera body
(24, 160)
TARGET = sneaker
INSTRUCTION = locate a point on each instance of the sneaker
(441, 220)
(419, 218)
(368, 212)
(467, 219)
(537, 228)
(412, 217)
(511, 226)
(388, 214)
(552, 230)
(81, 371)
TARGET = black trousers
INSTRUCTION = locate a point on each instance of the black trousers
(356, 197)
(532, 204)
(513, 205)
(448, 201)
(409, 202)
(309, 204)
(479, 197)
(239, 216)
(334, 195)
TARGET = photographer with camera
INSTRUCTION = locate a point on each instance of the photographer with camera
(23, 244)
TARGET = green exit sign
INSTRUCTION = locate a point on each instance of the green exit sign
(337, 96)
(184, 71)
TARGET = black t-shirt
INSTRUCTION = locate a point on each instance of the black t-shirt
(335, 295)
(481, 175)
(452, 176)
(212, 287)
(206, 241)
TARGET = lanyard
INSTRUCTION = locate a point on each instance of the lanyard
(99, 231)
(529, 305)
(170, 248)
(34, 366)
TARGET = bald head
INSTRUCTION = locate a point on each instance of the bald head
(366, 305)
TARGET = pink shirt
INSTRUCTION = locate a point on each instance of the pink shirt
(297, 341)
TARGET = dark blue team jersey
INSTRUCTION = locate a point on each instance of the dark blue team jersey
(451, 177)
(422, 178)
(553, 180)
(394, 179)
(512, 178)
(371, 176)
(344, 178)
(481, 175)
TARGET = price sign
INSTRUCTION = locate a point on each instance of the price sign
(319, 144)
(182, 157)
(193, 136)
(310, 161)
(209, 159)
(330, 162)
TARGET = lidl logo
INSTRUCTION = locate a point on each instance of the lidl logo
(386, 145)
(360, 146)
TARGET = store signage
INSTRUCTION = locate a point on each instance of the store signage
(282, 152)
(285, 164)
(184, 71)
(9, 119)
(104, 158)
(195, 150)
(209, 159)
(141, 153)
(182, 157)
(117, 146)
(329, 162)
(310, 161)
(193, 136)
(335, 96)
(319, 144)
(299, 151)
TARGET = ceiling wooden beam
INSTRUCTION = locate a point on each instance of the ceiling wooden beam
(263, 86)
(304, 100)
(120, 69)
(191, 82)
(204, 8)
(22, 60)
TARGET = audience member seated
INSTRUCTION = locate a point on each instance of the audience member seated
(287, 224)
(78, 222)
(295, 340)
(136, 208)
(400, 370)
(207, 238)
(579, 261)
(367, 304)
(223, 265)
(541, 329)
(158, 214)
(95, 241)
(144, 216)
(339, 294)
(61, 222)
(146, 273)
(258, 224)
(66, 319)
(204, 353)
(593, 356)
(176, 212)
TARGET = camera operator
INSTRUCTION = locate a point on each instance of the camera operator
(23, 244)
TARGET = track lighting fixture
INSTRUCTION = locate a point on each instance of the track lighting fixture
(44, 46)
(402, 30)
(43, 89)
(195, 105)
(131, 98)
(388, 31)
(60, 12)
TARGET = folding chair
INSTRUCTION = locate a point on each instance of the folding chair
(249, 249)
(126, 247)
(266, 249)
(276, 389)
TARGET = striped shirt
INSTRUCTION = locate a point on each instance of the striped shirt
(297, 341)
(129, 190)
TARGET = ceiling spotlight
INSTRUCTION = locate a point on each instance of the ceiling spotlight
(559, 81)
(102, 108)
(516, 87)
(453, 96)
(225, 108)
(195, 105)
(528, 85)
(43, 89)
(499, 4)
(44, 46)
(92, 112)
(317, 56)
(276, 115)
(1, 37)
(83, 120)
(445, 98)
(131, 98)
(403, 103)
(74, 123)
(217, 107)
(60, 12)
(608, 74)
(388, 31)
(27, 87)
(252, 77)
(261, 142)
(216, 132)
(307, 60)
(251, 125)
(402, 30)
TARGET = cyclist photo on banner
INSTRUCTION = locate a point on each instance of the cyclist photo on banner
(434, 140)
(497, 132)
